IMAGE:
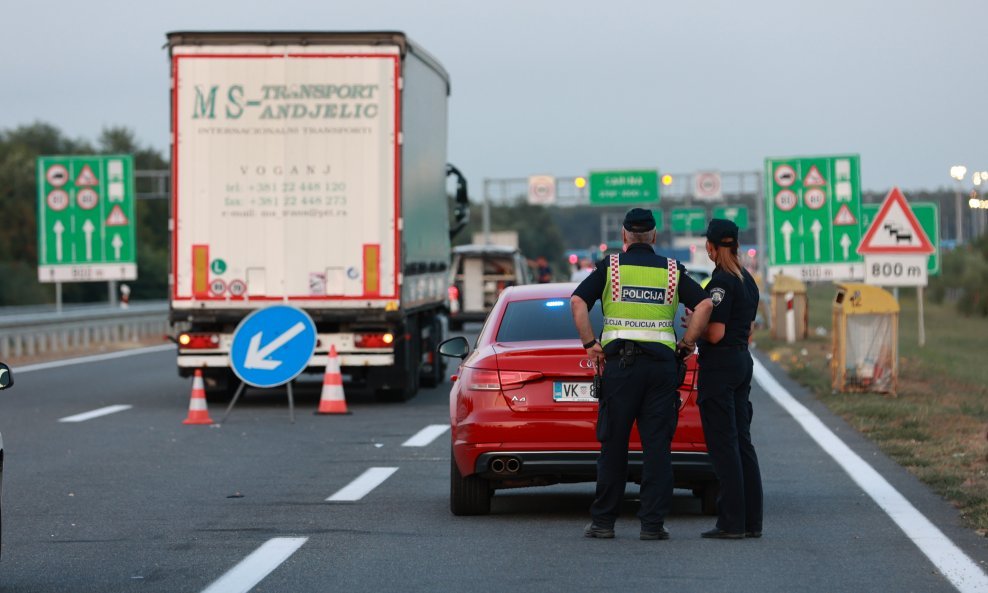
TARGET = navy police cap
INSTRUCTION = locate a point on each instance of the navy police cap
(722, 232)
(639, 220)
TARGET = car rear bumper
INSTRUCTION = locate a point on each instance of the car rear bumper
(690, 468)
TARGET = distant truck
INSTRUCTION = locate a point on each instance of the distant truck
(310, 169)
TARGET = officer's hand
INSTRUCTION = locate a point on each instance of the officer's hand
(683, 349)
(596, 355)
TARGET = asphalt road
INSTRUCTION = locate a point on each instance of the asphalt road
(136, 501)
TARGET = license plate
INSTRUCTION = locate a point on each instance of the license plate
(573, 391)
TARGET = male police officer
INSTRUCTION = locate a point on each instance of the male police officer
(640, 292)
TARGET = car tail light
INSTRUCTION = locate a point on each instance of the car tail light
(454, 293)
(375, 340)
(198, 341)
(491, 380)
(515, 379)
(481, 380)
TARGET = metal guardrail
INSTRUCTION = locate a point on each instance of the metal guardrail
(41, 333)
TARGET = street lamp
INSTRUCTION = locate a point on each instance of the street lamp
(958, 172)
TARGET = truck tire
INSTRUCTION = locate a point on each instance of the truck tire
(407, 368)
(470, 495)
(433, 376)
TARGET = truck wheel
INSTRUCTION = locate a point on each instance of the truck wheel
(221, 385)
(407, 368)
(434, 375)
(470, 495)
(708, 498)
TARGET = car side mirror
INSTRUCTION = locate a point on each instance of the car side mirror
(457, 347)
(6, 379)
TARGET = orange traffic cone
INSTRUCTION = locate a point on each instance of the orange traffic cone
(198, 414)
(332, 400)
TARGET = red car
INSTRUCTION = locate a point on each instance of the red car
(522, 410)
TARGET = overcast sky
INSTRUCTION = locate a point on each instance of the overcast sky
(566, 87)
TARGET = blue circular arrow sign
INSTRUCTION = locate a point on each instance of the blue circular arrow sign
(272, 346)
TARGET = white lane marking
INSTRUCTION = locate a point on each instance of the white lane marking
(41, 366)
(359, 488)
(96, 413)
(962, 572)
(426, 435)
(252, 569)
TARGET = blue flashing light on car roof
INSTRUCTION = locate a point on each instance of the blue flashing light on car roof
(555, 303)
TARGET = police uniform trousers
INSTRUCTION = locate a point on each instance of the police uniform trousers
(724, 386)
(644, 390)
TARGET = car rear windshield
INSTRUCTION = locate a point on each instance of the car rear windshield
(543, 319)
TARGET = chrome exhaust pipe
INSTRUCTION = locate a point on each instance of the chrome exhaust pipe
(513, 464)
(497, 465)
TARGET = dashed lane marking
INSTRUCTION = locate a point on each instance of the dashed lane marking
(954, 564)
(96, 413)
(426, 435)
(359, 488)
(252, 569)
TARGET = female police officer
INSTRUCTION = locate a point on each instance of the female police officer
(724, 384)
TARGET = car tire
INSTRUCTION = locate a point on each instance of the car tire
(469, 495)
(708, 498)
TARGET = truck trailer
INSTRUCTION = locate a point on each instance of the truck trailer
(309, 168)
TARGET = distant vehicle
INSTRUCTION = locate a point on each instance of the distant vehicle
(478, 274)
(6, 382)
(700, 273)
(310, 169)
(522, 410)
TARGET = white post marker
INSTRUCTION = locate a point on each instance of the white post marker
(815, 228)
(88, 228)
(359, 488)
(59, 228)
(426, 435)
(790, 319)
(259, 564)
(787, 230)
(96, 413)
(962, 572)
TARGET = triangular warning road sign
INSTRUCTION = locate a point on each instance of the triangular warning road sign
(86, 177)
(845, 217)
(813, 178)
(895, 229)
(116, 217)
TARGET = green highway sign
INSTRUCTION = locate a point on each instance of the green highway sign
(737, 214)
(688, 220)
(624, 187)
(928, 215)
(86, 226)
(814, 216)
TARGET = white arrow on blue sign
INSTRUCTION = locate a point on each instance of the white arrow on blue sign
(272, 346)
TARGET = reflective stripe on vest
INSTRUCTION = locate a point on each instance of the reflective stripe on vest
(640, 303)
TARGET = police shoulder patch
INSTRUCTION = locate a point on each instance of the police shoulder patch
(717, 295)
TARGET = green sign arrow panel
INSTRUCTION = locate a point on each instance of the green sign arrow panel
(688, 220)
(737, 214)
(86, 227)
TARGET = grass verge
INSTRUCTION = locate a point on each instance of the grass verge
(937, 424)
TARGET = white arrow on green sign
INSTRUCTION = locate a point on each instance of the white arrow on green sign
(737, 214)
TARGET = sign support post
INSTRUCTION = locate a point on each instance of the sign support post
(922, 320)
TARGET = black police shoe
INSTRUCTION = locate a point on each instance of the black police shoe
(660, 533)
(593, 530)
(753, 534)
(717, 533)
